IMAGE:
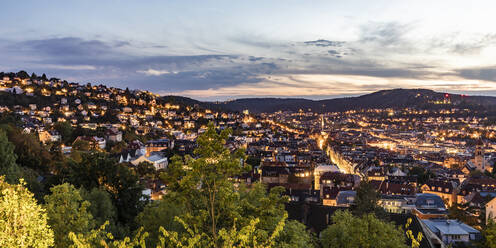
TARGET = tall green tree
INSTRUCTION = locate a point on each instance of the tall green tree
(23, 223)
(213, 205)
(207, 177)
(8, 166)
(348, 231)
(67, 212)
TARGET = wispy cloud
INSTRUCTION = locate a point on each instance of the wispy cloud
(70, 67)
(152, 72)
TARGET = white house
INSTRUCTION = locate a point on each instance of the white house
(159, 161)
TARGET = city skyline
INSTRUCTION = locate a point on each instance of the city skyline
(223, 50)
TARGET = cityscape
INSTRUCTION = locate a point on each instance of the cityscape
(242, 135)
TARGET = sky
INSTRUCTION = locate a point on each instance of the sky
(222, 50)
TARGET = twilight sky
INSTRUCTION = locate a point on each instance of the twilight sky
(217, 50)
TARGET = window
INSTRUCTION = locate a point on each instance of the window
(456, 237)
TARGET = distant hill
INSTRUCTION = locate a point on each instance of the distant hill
(396, 98)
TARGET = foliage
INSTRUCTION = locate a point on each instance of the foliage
(102, 238)
(96, 170)
(65, 130)
(415, 241)
(23, 223)
(67, 212)
(161, 214)
(422, 174)
(247, 236)
(117, 147)
(81, 145)
(490, 235)
(256, 203)
(366, 201)
(253, 161)
(101, 206)
(8, 166)
(146, 170)
(30, 152)
(348, 231)
(295, 234)
(463, 212)
(207, 181)
(33, 182)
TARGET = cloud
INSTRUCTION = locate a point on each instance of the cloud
(70, 67)
(487, 73)
(325, 43)
(474, 45)
(67, 46)
(152, 72)
(384, 34)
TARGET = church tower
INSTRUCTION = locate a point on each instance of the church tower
(479, 159)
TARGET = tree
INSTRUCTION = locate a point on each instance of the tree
(366, 200)
(8, 166)
(23, 74)
(67, 212)
(247, 236)
(30, 152)
(422, 174)
(23, 223)
(464, 213)
(161, 214)
(412, 238)
(214, 207)
(207, 177)
(146, 170)
(65, 129)
(101, 238)
(253, 161)
(81, 145)
(295, 234)
(490, 235)
(33, 183)
(101, 207)
(348, 231)
(254, 202)
(118, 147)
(97, 170)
